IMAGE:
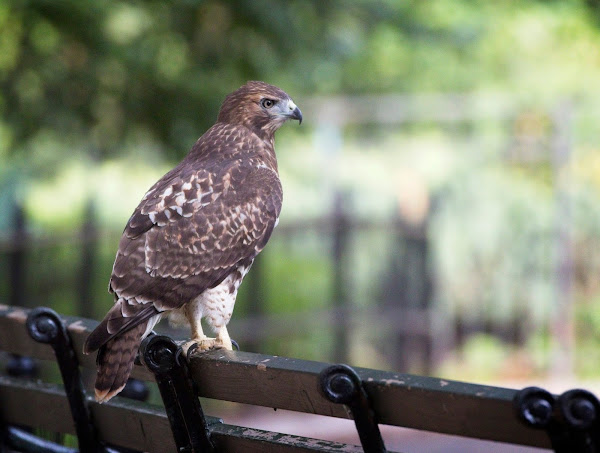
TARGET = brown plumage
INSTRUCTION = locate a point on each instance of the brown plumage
(195, 234)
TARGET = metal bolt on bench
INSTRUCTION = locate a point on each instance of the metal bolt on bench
(340, 384)
(571, 420)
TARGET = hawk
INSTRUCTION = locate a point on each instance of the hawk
(188, 245)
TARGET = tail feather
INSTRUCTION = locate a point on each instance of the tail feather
(115, 362)
(115, 322)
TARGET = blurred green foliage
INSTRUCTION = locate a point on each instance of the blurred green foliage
(88, 79)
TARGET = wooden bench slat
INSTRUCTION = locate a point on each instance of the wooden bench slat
(122, 422)
(238, 438)
(418, 402)
(137, 425)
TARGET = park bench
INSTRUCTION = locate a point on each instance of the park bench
(528, 417)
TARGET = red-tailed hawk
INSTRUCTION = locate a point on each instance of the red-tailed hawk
(194, 235)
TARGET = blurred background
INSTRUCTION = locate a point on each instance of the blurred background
(442, 195)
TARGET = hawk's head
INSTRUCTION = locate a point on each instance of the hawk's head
(260, 107)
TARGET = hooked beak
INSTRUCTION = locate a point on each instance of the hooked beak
(293, 112)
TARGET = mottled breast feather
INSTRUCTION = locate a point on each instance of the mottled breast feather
(212, 213)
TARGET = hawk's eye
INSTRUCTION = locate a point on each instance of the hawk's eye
(267, 103)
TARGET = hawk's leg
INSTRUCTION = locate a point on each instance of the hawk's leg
(199, 342)
(223, 341)
(215, 305)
